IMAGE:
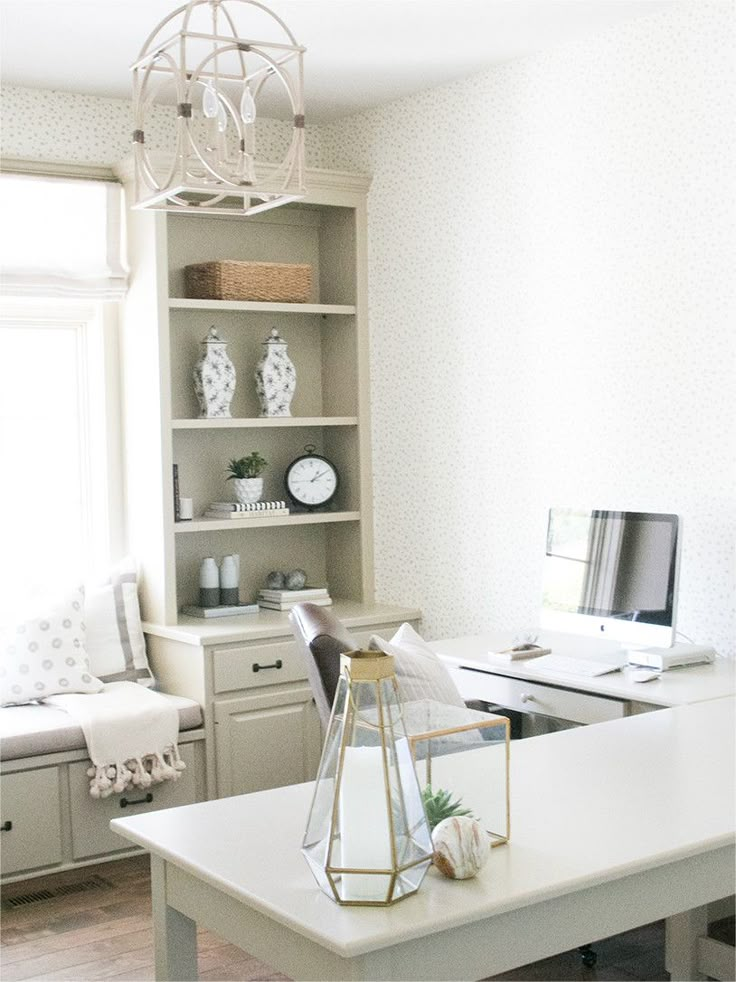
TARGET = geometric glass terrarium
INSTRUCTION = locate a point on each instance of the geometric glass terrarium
(202, 75)
(465, 753)
(367, 839)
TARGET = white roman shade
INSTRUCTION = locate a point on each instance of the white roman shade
(61, 238)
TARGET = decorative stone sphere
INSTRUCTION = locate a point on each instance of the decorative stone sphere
(275, 580)
(296, 579)
(461, 847)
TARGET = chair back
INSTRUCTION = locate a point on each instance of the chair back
(322, 639)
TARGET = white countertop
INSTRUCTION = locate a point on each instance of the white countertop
(588, 806)
(676, 687)
(271, 623)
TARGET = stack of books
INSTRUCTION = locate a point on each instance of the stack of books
(286, 599)
(233, 509)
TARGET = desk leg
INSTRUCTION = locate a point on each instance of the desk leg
(681, 944)
(174, 934)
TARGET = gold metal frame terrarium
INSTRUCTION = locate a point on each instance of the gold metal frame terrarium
(367, 840)
(466, 753)
(207, 77)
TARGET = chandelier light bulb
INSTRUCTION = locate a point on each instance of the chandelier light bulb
(210, 103)
(221, 117)
(248, 106)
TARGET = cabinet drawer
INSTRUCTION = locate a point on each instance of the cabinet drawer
(31, 805)
(247, 667)
(91, 833)
(531, 697)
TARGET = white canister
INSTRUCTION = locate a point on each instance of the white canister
(209, 583)
(230, 580)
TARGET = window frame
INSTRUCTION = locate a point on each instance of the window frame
(97, 339)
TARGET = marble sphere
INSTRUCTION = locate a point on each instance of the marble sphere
(461, 847)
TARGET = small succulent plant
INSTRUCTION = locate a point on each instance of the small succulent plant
(244, 467)
(439, 805)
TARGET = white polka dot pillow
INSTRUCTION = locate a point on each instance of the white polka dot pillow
(46, 655)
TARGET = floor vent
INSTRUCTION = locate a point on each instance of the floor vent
(82, 886)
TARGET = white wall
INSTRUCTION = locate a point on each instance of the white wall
(551, 307)
(551, 291)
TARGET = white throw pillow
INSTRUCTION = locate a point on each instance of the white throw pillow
(115, 642)
(46, 655)
(419, 672)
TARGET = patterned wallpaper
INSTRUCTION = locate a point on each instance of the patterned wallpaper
(38, 124)
(551, 307)
(551, 291)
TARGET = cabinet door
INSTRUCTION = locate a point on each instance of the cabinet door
(266, 741)
(31, 820)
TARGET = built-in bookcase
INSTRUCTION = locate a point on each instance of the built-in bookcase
(327, 339)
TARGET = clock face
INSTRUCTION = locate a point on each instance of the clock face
(311, 481)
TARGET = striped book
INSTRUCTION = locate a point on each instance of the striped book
(228, 506)
(262, 513)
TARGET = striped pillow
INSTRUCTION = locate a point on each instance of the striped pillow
(419, 672)
(115, 643)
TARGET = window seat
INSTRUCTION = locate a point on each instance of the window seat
(48, 820)
(31, 730)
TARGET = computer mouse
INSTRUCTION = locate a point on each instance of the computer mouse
(643, 675)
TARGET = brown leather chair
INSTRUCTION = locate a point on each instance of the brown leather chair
(322, 639)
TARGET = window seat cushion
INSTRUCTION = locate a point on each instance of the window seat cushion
(28, 731)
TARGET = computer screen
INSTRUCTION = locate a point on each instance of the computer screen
(612, 574)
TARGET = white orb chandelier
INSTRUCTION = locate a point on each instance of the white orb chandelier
(195, 64)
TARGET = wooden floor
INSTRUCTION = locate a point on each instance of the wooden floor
(105, 933)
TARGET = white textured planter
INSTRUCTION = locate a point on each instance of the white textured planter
(248, 490)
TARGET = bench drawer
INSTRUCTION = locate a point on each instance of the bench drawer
(91, 833)
(531, 697)
(31, 804)
(252, 666)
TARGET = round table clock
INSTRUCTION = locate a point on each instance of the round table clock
(311, 480)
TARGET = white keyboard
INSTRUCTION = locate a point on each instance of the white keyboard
(560, 665)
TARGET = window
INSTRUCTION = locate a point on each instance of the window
(60, 494)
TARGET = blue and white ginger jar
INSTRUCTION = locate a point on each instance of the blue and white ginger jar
(275, 377)
(214, 378)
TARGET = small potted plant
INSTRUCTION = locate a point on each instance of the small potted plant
(245, 472)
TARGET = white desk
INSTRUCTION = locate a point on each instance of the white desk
(648, 833)
(520, 685)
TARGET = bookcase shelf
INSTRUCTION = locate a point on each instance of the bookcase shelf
(259, 307)
(260, 423)
(308, 518)
(327, 341)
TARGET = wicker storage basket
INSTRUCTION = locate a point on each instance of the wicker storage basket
(231, 279)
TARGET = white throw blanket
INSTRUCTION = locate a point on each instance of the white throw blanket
(131, 736)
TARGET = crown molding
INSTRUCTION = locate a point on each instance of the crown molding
(57, 168)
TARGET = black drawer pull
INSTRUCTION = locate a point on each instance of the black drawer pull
(262, 668)
(124, 802)
(6, 827)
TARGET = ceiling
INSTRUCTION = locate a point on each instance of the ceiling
(360, 53)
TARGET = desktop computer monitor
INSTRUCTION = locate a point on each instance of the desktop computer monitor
(612, 574)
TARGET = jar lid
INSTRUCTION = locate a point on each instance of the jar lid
(212, 337)
(274, 338)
